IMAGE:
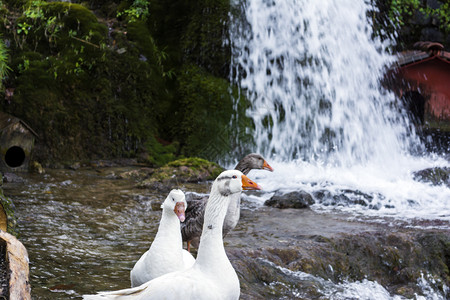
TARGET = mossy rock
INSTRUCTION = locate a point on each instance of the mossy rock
(7, 218)
(182, 170)
(435, 176)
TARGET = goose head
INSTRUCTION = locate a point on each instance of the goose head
(253, 161)
(176, 202)
(234, 181)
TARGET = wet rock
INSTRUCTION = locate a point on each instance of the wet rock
(12, 178)
(36, 167)
(152, 184)
(156, 205)
(19, 275)
(394, 260)
(343, 197)
(103, 163)
(435, 176)
(73, 166)
(297, 199)
(141, 173)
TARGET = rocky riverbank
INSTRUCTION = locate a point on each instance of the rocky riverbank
(270, 247)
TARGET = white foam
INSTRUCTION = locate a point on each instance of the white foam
(395, 193)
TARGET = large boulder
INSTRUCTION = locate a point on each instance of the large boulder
(311, 267)
(435, 176)
(297, 199)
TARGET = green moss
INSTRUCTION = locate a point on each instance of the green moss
(195, 163)
(158, 154)
(8, 206)
(187, 170)
(208, 108)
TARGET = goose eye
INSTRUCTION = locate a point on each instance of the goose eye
(173, 199)
(234, 176)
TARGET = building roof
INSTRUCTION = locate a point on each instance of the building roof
(7, 120)
(425, 50)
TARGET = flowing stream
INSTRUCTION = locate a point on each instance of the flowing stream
(84, 230)
(312, 72)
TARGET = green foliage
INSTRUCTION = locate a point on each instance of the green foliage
(401, 12)
(401, 8)
(409, 21)
(139, 10)
(4, 68)
(442, 14)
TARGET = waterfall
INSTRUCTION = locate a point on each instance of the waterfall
(312, 73)
(312, 70)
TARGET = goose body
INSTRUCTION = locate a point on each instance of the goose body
(166, 253)
(212, 276)
(191, 229)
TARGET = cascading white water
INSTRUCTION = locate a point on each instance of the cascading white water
(312, 72)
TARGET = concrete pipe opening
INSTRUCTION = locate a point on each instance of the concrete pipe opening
(14, 157)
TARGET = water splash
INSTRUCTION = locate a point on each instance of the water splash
(312, 72)
(364, 289)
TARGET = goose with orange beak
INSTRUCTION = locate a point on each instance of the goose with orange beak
(192, 227)
(166, 253)
(212, 276)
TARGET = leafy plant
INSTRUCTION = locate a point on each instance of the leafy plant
(23, 28)
(442, 14)
(3, 63)
(137, 11)
(400, 11)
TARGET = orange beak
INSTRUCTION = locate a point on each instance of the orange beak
(248, 184)
(179, 211)
(267, 167)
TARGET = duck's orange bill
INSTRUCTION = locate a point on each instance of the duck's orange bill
(266, 166)
(248, 184)
(179, 211)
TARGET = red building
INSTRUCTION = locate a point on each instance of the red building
(422, 80)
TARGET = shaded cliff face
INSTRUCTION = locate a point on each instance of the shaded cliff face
(95, 81)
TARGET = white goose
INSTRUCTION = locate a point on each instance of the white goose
(166, 254)
(212, 276)
(191, 229)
